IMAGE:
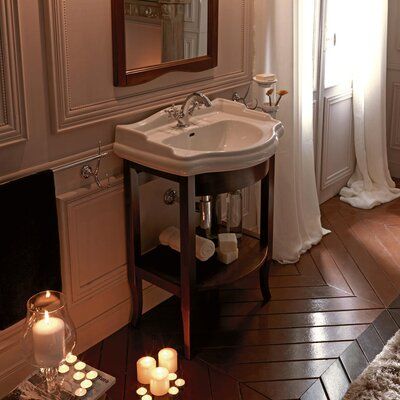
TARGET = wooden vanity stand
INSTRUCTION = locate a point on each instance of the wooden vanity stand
(180, 273)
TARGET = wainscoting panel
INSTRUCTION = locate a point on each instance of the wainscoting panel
(93, 253)
(393, 89)
(12, 105)
(80, 56)
(338, 145)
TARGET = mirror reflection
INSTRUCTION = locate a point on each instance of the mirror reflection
(159, 31)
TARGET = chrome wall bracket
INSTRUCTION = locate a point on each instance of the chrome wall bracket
(88, 171)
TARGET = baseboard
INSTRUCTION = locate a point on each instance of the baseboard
(13, 370)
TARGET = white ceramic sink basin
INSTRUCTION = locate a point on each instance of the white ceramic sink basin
(224, 137)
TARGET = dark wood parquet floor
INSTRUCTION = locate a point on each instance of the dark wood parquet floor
(330, 314)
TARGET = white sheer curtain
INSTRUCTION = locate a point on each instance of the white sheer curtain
(371, 183)
(284, 45)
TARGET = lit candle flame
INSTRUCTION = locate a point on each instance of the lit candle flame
(47, 294)
(46, 317)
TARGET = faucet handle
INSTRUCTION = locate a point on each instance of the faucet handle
(172, 112)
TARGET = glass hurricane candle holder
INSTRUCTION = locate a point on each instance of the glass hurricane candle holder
(49, 334)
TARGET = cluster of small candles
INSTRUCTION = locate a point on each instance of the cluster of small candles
(85, 378)
(159, 378)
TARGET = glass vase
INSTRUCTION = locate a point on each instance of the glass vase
(49, 334)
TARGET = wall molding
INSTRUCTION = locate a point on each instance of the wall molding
(13, 127)
(328, 180)
(133, 100)
(395, 119)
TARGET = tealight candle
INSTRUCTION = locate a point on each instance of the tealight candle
(86, 384)
(80, 366)
(180, 382)
(173, 390)
(141, 391)
(63, 369)
(80, 392)
(159, 383)
(78, 376)
(172, 377)
(168, 358)
(71, 359)
(92, 375)
(144, 366)
(147, 397)
(48, 341)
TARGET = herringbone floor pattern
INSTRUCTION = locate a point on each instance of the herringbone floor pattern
(330, 314)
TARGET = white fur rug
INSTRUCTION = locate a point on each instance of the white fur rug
(381, 379)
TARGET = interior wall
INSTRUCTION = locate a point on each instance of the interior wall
(393, 89)
(58, 102)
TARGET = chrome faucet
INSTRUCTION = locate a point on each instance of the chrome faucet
(194, 101)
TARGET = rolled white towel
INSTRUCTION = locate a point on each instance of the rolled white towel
(170, 236)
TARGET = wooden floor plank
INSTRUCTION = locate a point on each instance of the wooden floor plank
(349, 269)
(114, 361)
(283, 390)
(92, 356)
(223, 386)
(385, 326)
(278, 371)
(297, 293)
(281, 336)
(315, 392)
(328, 268)
(370, 343)
(250, 394)
(317, 319)
(287, 352)
(296, 306)
(335, 381)
(395, 314)
(272, 321)
(283, 269)
(377, 278)
(354, 361)
(368, 234)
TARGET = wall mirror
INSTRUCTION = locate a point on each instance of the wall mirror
(153, 37)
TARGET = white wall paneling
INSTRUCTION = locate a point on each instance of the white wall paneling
(12, 104)
(393, 88)
(338, 142)
(80, 56)
(94, 253)
(395, 119)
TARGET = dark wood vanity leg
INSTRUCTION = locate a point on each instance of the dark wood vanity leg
(133, 243)
(267, 226)
(188, 258)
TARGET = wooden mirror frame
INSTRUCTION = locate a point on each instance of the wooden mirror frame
(124, 77)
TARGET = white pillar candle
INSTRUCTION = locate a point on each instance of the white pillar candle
(144, 366)
(168, 358)
(159, 382)
(49, 341)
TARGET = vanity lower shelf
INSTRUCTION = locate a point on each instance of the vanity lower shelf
(161, 266)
